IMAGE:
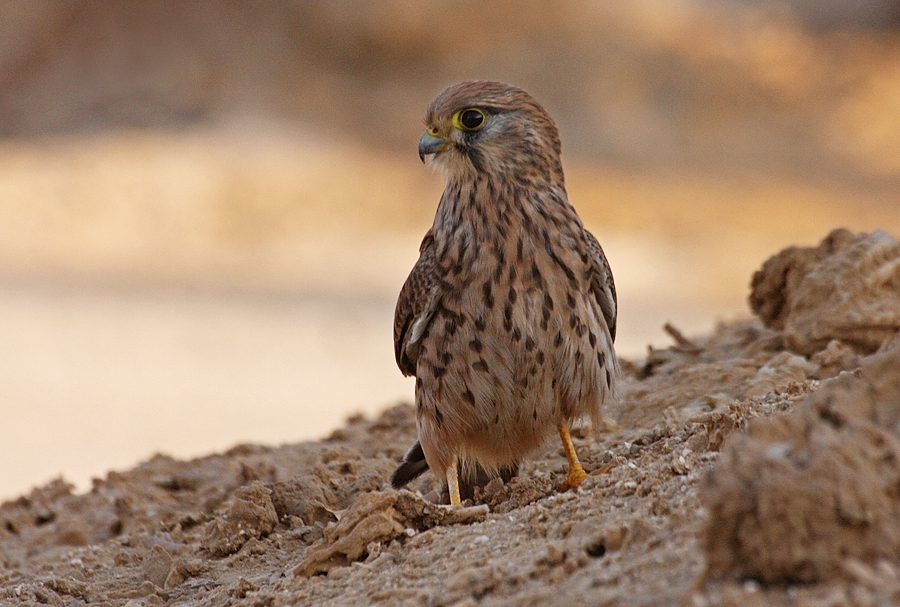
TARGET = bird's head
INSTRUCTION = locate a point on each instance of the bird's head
(491, 128)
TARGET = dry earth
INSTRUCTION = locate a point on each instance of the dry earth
(756, 465)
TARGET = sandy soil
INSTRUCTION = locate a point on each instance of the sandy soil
(707, 489)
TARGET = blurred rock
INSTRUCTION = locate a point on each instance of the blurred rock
(779, 371)
(846, 289)
(796, 496)
(836, 357)
(157, 565)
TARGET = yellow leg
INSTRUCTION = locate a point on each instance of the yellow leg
(453, 484)
(576, 472)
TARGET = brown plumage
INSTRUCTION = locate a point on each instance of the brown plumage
(508, 318)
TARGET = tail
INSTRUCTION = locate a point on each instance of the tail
(410, 468)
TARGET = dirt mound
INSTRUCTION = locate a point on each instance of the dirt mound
(846, 289)
(807, 492)
(796, 496)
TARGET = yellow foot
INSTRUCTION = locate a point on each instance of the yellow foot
(576, 474)
(453, 484)
(574, 479)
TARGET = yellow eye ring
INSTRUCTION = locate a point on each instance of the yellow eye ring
(469, 119)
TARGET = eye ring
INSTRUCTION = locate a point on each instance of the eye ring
(469, 119)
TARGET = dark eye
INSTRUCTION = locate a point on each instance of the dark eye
(471, 119)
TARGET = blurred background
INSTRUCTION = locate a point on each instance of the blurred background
(208, 208)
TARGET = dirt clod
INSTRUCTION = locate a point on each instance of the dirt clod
(376, 518)
(306, 498)
(797, 495)
(847, 288)
(252, 515)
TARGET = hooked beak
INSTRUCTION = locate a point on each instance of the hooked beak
(429, 144)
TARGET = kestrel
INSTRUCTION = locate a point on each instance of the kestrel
(508, 318)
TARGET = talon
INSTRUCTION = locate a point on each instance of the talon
(574, 479)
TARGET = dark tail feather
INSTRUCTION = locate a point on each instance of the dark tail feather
(412, 466)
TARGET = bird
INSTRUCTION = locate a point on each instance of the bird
(508, 318)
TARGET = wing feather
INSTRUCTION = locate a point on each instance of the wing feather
(602, 283)
(416, 304)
